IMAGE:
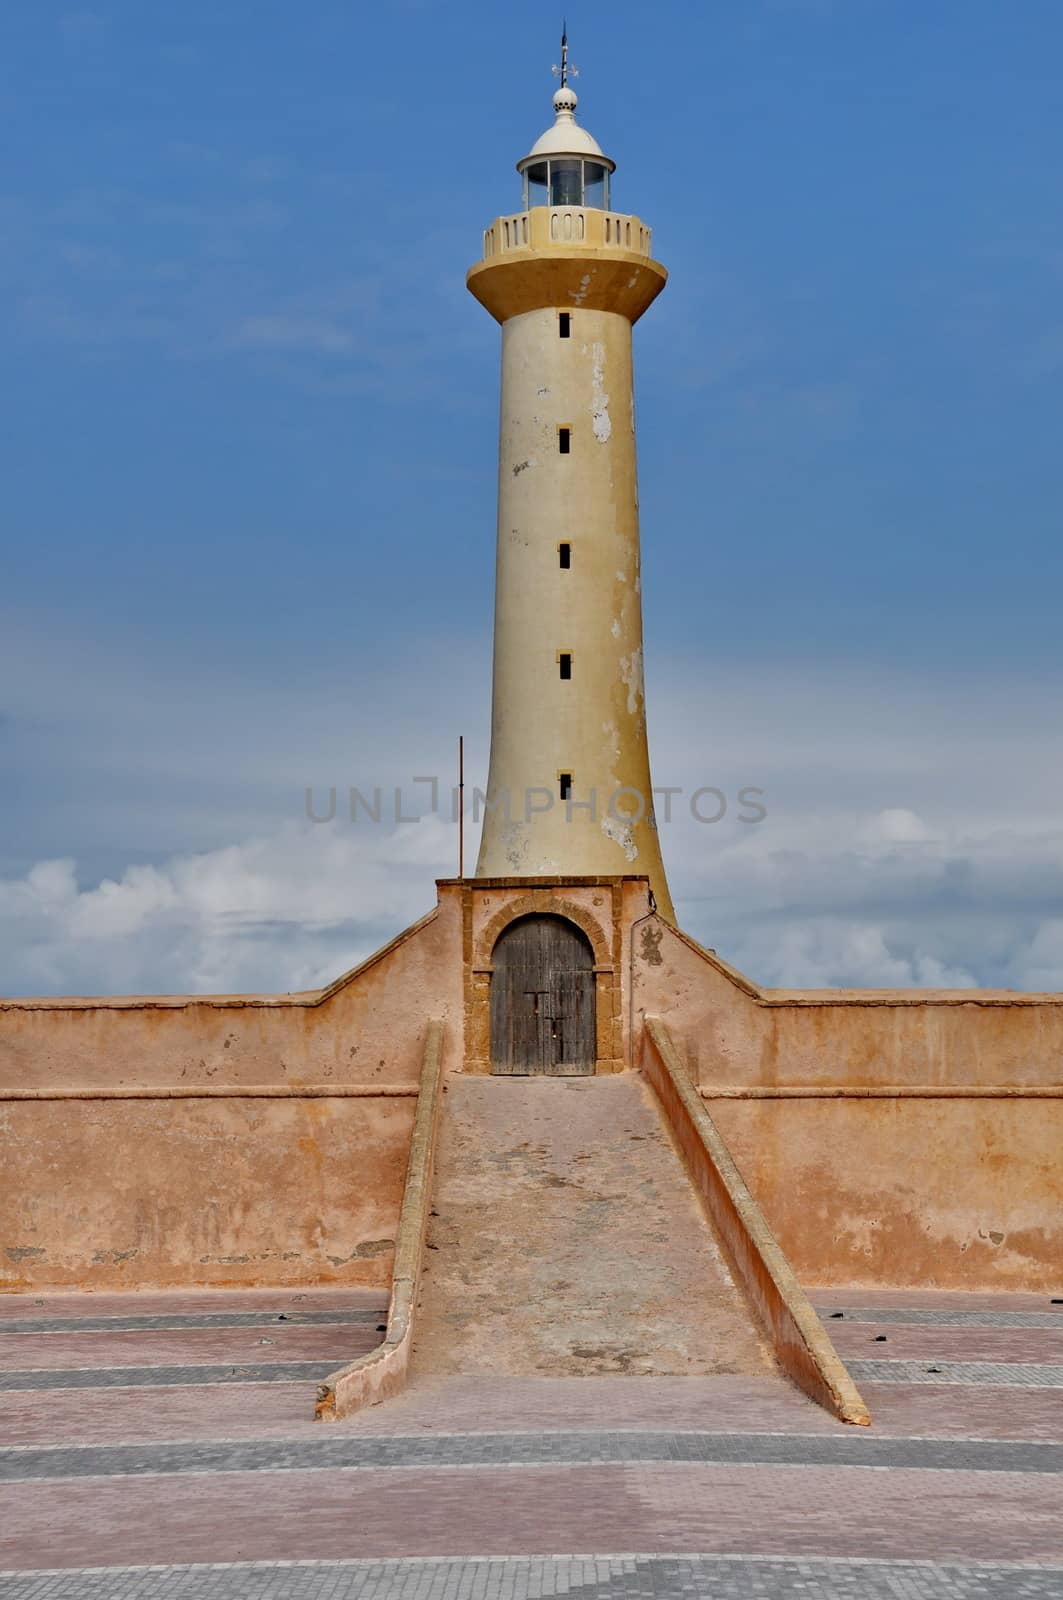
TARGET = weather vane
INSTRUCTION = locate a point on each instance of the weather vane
(564, 71)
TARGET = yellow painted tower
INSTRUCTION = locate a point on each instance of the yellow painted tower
(569, 790)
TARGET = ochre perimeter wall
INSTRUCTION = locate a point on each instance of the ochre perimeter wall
(891, 1138)
(223, 1140)
(242, 1139)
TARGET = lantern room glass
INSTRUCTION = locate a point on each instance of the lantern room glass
(536, 185)
(595, 185)
(566, 181)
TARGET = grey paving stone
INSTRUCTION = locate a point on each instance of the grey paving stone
(332, 1451)
(357, 1317)
(616, 1577)
(147, 1377)
(993, 1374)
(924, 1316)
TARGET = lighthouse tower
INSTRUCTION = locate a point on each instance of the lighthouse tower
(567, 276)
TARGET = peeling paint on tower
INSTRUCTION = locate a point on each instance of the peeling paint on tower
(600, 421)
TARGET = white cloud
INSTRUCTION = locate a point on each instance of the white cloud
(843, 900)
(1041, 964)
(279, 912)
(292, 908)
(910, 839)
(838, 952)
(900, 824)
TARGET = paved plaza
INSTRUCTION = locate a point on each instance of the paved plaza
(161, 1446)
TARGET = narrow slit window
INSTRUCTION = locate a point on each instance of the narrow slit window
(564, 441)
(564, 784)
(564, 556)
(564, 325)
(564, 661)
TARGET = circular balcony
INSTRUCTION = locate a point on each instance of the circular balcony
(543, 226)
(568, 257)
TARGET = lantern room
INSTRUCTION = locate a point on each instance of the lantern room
(566, 167)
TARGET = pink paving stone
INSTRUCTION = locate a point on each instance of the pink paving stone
(134, 1416)
(710, 1405)
(455, 1405)
(447, 1405)
(971, 1516)
(488, 1404)
(935, 1299)
(963, 1411)
(908, 1342)
(152, 1347)
(168, 1302)
(474, 1405)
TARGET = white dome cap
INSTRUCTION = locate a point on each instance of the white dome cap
(566, 137)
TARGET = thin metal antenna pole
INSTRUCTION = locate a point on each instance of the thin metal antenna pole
(461, 806)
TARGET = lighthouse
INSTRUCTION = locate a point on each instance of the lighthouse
(569, 790)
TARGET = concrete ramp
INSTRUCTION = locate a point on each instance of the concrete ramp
(566, 1239)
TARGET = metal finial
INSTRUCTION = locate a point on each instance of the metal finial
(564, 71)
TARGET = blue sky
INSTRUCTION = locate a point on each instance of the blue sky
(249, 435)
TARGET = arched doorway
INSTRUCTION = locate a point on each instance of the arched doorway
(542, 998)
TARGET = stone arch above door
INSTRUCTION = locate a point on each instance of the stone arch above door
(552, 905)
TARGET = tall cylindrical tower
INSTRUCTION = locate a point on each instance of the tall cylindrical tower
(569, 790)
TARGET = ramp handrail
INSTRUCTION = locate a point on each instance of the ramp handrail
(382, 1372)
(801, 1342)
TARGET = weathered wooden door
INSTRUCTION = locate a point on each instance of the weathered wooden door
(542, 999)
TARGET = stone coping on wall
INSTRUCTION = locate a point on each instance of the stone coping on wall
(219, 1091)
(906, 997)
(882, 1091)
(544, 882)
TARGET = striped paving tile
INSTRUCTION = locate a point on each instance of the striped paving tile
(497, 1404)
(449, 1405)
(151, 1377)
(733, 1508)
(155, 1347)
(284, 1409)
(953, 1343)
(963, 1411)
(581, 1577)
(935, 1317)
(332, 1449)
(176, 1321)
(159, 1302)
(939, 1299)
(999, 1374)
